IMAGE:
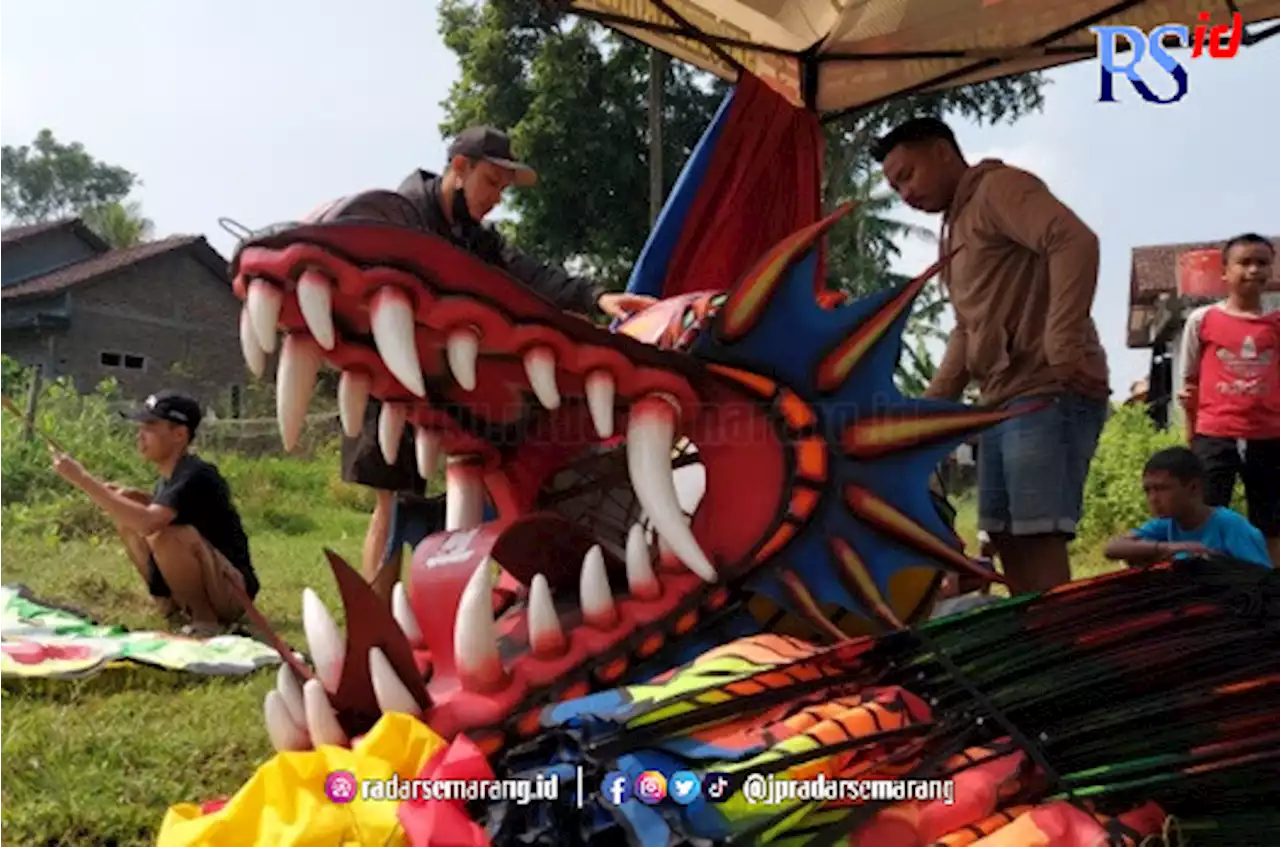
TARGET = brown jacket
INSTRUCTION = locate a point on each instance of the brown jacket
(1022, 286)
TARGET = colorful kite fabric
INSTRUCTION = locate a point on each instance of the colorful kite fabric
(43, 641)
(287, 802)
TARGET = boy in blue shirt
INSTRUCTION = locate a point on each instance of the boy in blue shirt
(1184, 524)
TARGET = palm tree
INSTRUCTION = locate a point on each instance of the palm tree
(120, 225)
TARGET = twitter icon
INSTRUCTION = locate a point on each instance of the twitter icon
(685, 787)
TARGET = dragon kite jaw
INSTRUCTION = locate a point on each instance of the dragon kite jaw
(809, 492)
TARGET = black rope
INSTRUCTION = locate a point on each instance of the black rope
(1032, 749)
(235, 228)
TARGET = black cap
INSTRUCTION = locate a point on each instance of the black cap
(492, 145)
(168, 406)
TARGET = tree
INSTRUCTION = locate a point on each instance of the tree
(574, 95)
(120, 225)
(49, 180)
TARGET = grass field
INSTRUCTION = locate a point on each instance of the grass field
(98, 761)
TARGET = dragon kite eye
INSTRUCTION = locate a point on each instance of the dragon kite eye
(687, 320)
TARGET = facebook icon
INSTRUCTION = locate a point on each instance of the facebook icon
(616, 788)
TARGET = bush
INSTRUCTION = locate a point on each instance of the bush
(1114, 502)
(274, 493)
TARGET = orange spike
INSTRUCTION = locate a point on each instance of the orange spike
(874, 510)
(795, 412)
(756, 383)
(840, 362)
(872, 438)
(780, 538)
(862, 582)
(809, 607)
(750, 297)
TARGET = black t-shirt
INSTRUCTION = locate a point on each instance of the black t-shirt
(363, 463)
(202, 499)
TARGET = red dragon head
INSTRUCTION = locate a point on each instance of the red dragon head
(725, 461)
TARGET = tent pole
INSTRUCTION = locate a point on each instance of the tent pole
(657, 78)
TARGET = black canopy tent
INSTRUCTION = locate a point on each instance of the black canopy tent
(841, 56)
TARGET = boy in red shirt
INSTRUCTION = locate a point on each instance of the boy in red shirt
(1231, 358)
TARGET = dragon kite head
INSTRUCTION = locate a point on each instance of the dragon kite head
(723, 462)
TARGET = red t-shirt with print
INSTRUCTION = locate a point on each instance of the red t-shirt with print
(1234, 359)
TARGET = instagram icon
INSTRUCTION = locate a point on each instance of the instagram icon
(651, 787)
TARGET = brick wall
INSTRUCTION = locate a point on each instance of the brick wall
(173, 313)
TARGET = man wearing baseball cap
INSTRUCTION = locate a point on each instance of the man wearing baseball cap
(186, 539)
(452, 205)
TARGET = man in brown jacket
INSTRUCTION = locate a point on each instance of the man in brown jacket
(1022, 286)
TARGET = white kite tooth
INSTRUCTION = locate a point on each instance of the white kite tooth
(254, 356)
(324, 641)
(322, 721)
(403, 614)
(426, 448)
(597, 598)
(392, 694)
(461, 348)
(263, 303)
(546, 638)
(540, 368)
(285, 735)
(650, 430)
(315, 301)
(391, 421)
(642, 582)
(475, 637)
(295, 383)
(391, 318)
(290, 691)
(600, 394)
(353, 401)
(464, 494)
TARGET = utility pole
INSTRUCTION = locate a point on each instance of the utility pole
(657, 75)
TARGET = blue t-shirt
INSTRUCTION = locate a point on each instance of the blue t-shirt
(1225, 531)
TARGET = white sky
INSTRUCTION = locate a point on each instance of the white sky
(261, 111)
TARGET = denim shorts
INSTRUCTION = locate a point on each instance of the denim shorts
(414, 518)
(1032, 468)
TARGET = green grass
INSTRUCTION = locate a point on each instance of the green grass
(98, 761)
(1086, 557)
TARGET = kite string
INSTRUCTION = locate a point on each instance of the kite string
(1032, 749)
(1169, 831)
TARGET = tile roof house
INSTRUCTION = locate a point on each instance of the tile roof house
(1153, 287)
(158, 315)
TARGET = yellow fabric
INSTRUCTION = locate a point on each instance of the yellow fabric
(284, 802)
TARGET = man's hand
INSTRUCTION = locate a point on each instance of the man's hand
(624, 305)
(68, 468)
(1194, 548)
